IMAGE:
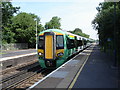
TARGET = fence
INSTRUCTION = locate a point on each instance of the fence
(14, 46)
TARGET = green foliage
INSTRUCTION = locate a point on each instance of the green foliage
(24, 26)
(79, 32)
(53, 23)
(8, 35)
(84, 35)
(20, 28)
(23, 20)
(104, 21)
(107, 22)
(7, 13)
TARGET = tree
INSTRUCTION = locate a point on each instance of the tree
(24, 27)
(107, 23)
(7, 13)
(53, 23)
(104, 22)
(79, 32)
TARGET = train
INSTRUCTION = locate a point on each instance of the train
(56, 46)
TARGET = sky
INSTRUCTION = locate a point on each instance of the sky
(73, 13)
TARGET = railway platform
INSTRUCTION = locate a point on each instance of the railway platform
(89, 69)
(10, 59)
(12, 53)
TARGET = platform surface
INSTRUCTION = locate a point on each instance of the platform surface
(98, 72)
(89, 69)
(12, 58)
(17, 52)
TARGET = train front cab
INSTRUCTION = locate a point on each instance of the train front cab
(51, 49)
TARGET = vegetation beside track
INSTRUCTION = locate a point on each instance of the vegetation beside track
(107, 23)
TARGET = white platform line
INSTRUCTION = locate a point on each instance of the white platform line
(51, 73)
(78, 73)
(13, 57)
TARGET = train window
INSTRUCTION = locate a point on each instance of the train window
(59, 42)
(79, 42)
(41, 42)
(84, 41)
(70, 43)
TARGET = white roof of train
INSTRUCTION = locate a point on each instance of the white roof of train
(76, 35)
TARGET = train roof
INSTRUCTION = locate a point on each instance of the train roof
(63, 32)
(52, 30)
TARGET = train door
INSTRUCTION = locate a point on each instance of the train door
(50, 48)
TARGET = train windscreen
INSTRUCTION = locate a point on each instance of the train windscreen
(59, 42)
(41, 42)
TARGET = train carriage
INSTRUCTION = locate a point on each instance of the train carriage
(55, 46)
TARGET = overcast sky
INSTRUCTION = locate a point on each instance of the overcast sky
(73, 13)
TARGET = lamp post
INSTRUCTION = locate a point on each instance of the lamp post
(36, 34)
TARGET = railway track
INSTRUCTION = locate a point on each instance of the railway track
(12, 69)
(21, 74)
(24, 78)
(16, 72)
(34, 78)
(28, 80)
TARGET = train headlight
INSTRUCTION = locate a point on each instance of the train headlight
(40, 54)
(60, 54)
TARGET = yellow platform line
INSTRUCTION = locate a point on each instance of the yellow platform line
(73, 82)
